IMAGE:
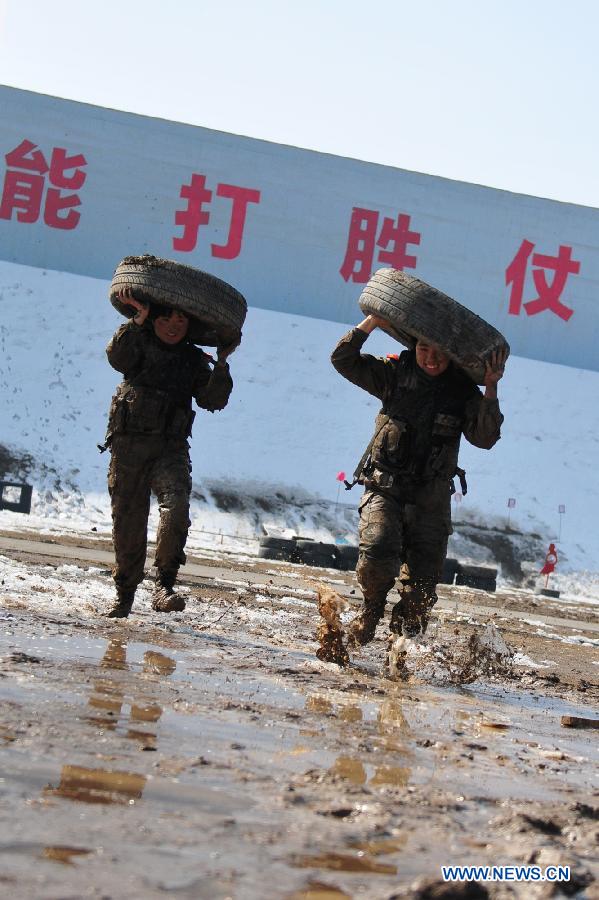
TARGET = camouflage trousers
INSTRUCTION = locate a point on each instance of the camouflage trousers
(408, 540)
(140, 466)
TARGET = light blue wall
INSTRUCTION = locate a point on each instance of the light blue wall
(295, 238)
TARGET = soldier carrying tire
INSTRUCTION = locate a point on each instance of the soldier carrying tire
(429, 399)
(171, 306)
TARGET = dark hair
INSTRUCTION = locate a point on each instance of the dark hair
(158, 309)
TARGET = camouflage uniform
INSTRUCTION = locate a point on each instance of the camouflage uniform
(405, 514)
(149, 423)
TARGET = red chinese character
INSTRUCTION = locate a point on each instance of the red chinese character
(60, 164)
(55, 202)
(393, 238)
(548, 294)
(397, 236)
(360, 245)
(23, 190)
(241, 197)
(197, 194)
(22, 157)
(191, 218)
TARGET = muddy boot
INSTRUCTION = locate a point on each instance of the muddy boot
(362, 629)
(410, 616)
(122, 606)
(164, 598)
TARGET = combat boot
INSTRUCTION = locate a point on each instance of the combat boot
(362, 629)
(410, 616)
(122, 606)
(164, 598)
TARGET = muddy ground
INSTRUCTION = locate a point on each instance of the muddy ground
(210, 754)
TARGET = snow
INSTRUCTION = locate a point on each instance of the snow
(521, 659)
(292, 423)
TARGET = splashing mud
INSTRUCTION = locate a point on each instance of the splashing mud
(486, 653)
(330, 632)
(397, 655)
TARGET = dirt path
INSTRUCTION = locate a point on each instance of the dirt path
(210, 754)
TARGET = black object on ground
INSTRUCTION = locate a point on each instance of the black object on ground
(316, 553)
(481, 577)
(281, 549)
(347, 557)
(23, 504)
(450, 569)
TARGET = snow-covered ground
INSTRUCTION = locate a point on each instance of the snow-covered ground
(292, 423)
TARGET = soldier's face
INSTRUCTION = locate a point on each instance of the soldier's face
(173, 328)
(431, 359)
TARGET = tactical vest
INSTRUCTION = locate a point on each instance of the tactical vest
(155, 398)
(417, 433)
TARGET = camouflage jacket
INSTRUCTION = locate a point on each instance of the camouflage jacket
(418, 430)
(159, 384)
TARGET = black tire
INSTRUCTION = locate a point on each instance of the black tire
(485, 584)
(347, 557)
(415, 310)
(450, 569)
(279, 555)
(314, 553)
(480, 577)
(480, 584)
(217, 310)
(277, 543)
(477, 571)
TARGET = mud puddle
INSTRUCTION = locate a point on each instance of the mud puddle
(161, 756)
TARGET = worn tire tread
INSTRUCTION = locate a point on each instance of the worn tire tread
(416, 310)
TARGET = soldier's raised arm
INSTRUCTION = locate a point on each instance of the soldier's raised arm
(371, 373)
(124, 350)
(483, 418)
(212, 389)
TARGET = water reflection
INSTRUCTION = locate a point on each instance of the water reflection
(319, 704)
(354, 771)
(350, 769)
(351, 713)
(108, 699)
(391, 717)
(97, 785)
(316, 890)
(344, 862)
(158, 664)
(63, 854)
(381, 846)
(394, 775)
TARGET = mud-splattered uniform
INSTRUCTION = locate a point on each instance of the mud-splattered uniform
(149, 423)
(405, 514)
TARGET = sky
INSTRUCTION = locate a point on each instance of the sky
(501, 94)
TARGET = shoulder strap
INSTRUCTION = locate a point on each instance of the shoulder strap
(364, 459)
